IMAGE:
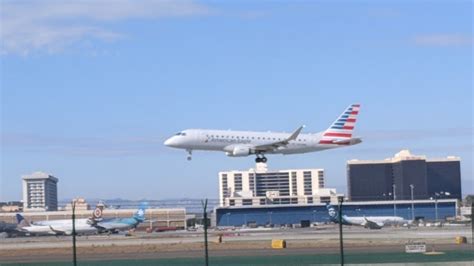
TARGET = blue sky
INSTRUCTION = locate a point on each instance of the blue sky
(91, 89)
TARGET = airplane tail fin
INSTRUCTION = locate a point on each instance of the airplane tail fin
(96, 214)
(140, 213)
(21, 221)
(332, 213)
(340, 132)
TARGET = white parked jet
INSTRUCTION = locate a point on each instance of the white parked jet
(244, 143)
(57, 227)
(371, 222)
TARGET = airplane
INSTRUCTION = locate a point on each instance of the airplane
(31, 229)
(57, 227)
(114, 225)
(245, 143)
(370, 222)
(9, 229)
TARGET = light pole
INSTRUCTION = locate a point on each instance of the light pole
(412, 202)
(394, 200)
(436, 196)
(74, 256)
(206, 252)
(270, 219)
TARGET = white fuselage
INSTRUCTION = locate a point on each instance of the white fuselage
(383, 220)
(376, 219)
(227, 140)
(82, 226)
(245, 143)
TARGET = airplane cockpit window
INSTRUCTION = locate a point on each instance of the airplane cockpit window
(180, 134)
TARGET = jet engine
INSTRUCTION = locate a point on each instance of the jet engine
(239, 151)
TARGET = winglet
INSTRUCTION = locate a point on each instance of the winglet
(295, 134)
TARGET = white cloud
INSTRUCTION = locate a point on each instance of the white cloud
(51, 26)
(443, 40)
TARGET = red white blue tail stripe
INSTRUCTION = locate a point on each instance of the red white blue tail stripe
(342, 128)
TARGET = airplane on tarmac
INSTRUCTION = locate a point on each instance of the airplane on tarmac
(9, 229)
(370, 222)
(245, 143)
(57, 227)
(114, 225)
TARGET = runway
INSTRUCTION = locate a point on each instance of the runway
(184, 244)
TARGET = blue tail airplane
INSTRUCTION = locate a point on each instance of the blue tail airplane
(371, 222)
(115, 225)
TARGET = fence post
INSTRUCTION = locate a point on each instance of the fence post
(74, 257)
(341, 244)
(206, 253)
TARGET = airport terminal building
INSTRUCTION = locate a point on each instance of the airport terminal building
(304, 215)
(259, 197)
(394, 178)
(260, 187)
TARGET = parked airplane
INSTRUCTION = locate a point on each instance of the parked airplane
(30, 229)
(245, 143)
(8, 229)
(56, 227)
(371, 222)
(115, 225)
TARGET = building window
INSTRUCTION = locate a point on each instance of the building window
(225, 191)
(262, 201)
(321, 179)
(325, 199)
(293, 184)
(247, 202)
(232, 202)
(252, 184)
(278, 181)
(310, 200)
(238, 182)
(308, 184)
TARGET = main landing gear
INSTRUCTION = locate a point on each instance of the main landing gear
(190, 155)
(261, 158)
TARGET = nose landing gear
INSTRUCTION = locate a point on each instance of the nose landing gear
(190, 155)
(261, 158)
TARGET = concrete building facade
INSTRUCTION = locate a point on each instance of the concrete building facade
(40, 192)
(394, 178)
(259, 186)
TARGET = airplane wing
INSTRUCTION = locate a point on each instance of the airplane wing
(372, 225)
(59, 231)
(110, 226)
(282, 143)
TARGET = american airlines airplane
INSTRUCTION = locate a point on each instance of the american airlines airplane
(245, 143)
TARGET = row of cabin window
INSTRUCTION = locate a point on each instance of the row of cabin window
(212, 136)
